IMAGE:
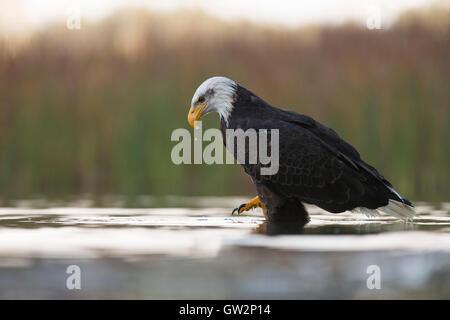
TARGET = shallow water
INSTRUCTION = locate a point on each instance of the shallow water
(204, 252)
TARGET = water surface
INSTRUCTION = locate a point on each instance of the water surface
(204, 252)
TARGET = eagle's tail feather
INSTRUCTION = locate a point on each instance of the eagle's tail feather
(399, 209)
(394, 208)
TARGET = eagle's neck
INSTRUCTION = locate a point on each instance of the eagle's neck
(224, 98)
(245, 105)
(225, 112)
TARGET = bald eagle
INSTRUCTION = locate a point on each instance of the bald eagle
(316, 166)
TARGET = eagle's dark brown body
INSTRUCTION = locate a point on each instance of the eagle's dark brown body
(315, 165)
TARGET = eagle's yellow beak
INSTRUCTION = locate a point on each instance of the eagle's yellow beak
(195, 114)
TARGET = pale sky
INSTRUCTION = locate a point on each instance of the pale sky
(22, 14)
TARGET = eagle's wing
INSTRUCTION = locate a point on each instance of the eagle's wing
(332, 141)
(313, 168)
(339, 147)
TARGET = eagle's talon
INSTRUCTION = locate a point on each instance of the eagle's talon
(252, 204)
(238, 209)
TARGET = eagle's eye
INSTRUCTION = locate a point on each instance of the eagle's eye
(201, 99)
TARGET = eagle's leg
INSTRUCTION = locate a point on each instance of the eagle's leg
(253, 203)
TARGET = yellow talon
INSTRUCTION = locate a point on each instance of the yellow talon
(253, 203)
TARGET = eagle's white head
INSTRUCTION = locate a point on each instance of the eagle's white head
(214, 94)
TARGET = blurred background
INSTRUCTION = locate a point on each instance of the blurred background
(87, 110)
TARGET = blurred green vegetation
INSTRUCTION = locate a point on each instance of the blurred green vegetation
(90, 112)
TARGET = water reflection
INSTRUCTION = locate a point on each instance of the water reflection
(282, 227)
(301, 227)
(344, 225)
